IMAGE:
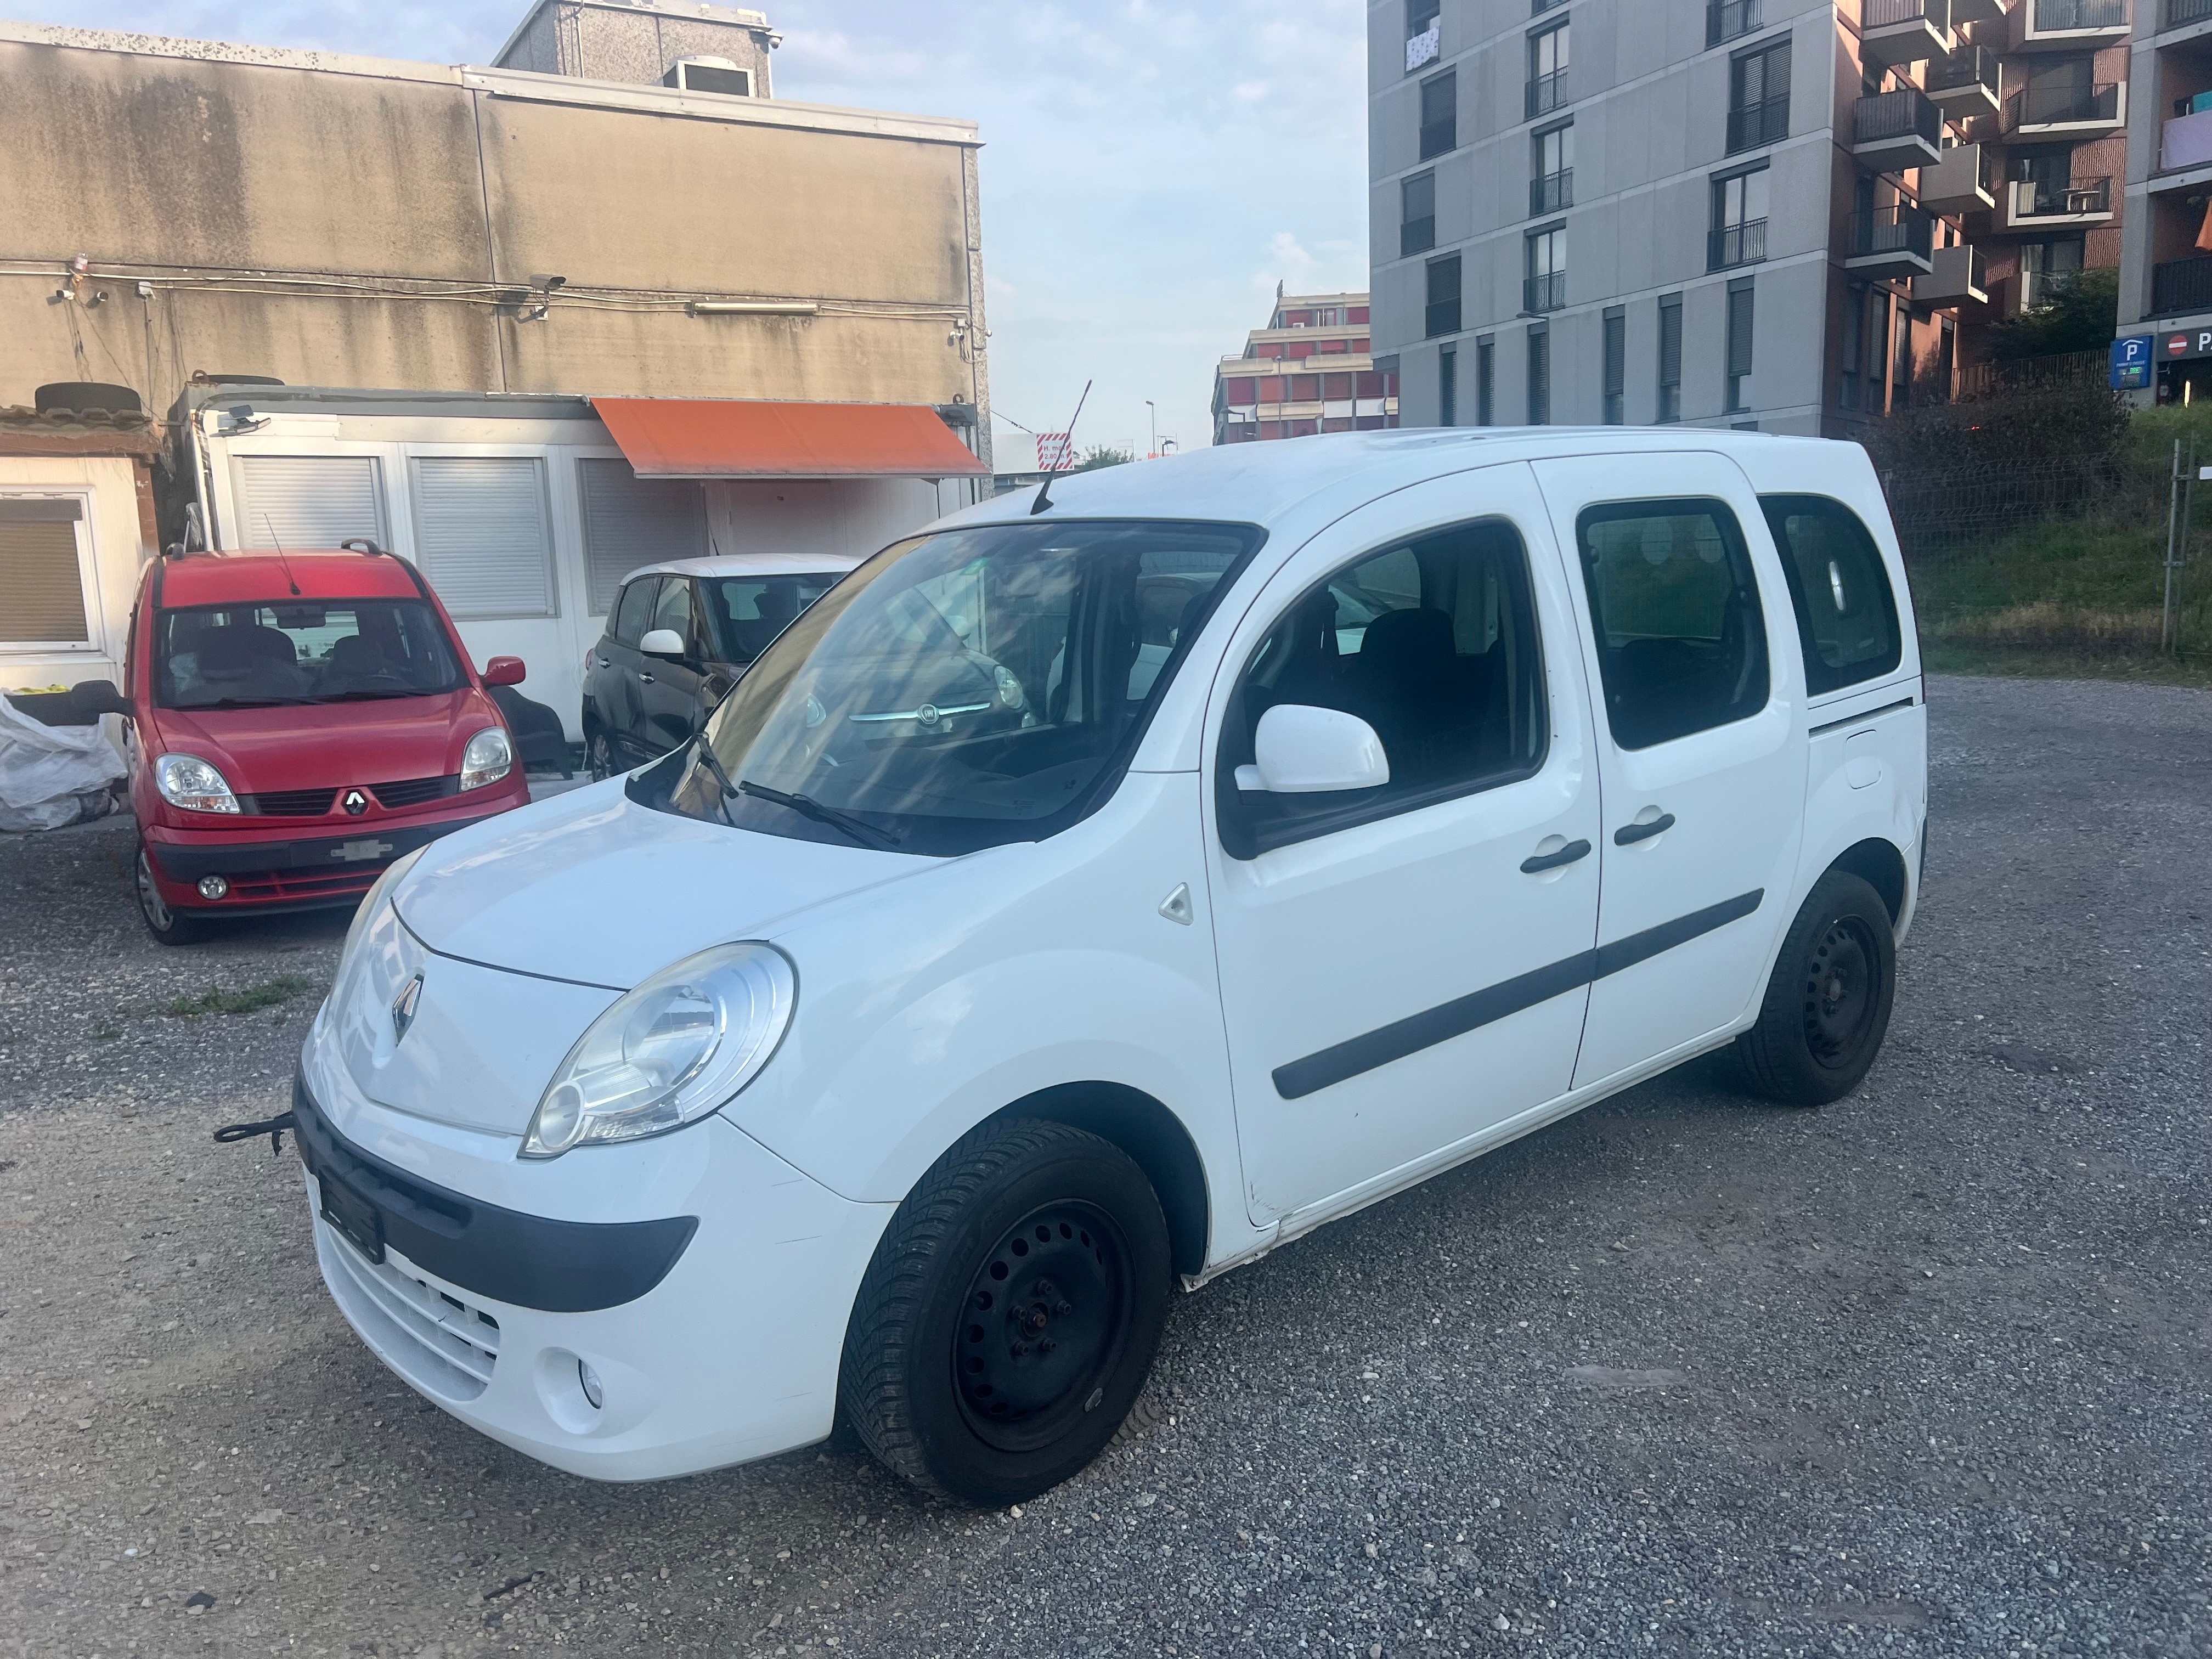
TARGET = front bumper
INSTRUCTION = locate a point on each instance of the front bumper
(276, 870)
(708, 1293)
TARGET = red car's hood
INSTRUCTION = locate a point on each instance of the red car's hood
(331, 745)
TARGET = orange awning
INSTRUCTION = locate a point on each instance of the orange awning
(716, 438)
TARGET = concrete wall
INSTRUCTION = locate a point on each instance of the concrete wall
(601, 42)
(349, 221)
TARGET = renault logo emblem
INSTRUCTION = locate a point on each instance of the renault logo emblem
(355, 802)
(403, 1006)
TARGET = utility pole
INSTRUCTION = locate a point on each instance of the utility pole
(1152, 450)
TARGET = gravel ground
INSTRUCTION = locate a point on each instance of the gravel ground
(1928, 1371)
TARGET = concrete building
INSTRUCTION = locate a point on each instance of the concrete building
(1310, 369)
(1791, 214)
(616, 210)
(2165, 277)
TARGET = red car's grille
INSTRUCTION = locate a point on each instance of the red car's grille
(289, 804)
(413, 792)
(268, 886)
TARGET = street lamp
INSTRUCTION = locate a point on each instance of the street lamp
(1152, 451)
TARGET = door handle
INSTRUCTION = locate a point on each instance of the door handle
(1543, 861)
(1629, 834)
(647, 679)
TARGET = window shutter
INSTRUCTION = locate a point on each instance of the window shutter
(482, 533)
(1739, 327)
(1616, 352)
(309, 500)
(1540, 377)
(1670, 343)
(41, 585)
(630, 521)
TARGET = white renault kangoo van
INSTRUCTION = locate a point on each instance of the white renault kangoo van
(1096, 891)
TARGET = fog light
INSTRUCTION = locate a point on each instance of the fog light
(212, 887)
(588, 1380)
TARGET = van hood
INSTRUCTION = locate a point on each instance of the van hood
(592, 888)
(331, 745)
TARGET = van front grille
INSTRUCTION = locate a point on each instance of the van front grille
(435, 1339)
(413, 792)
(288, 804)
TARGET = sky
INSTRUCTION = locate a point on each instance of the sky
(1150, 169)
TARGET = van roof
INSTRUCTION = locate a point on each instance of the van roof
(1265, 484)
(268, 577)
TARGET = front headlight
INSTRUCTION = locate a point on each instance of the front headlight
(362, 916)
(487, 758)
(188, 782)
(668, 1053)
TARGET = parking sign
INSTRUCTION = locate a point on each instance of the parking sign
(2131, 362)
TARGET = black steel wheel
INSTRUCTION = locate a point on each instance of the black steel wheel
(1008, 1321)
(168, 926)
(600, 755)
(1828, 1003)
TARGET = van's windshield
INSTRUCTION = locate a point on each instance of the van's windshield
(258, 656)
(962, 689)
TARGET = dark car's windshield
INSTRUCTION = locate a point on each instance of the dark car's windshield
(303, 651)
(962, 690)
(746, 612)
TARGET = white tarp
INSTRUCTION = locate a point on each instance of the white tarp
(51, 776)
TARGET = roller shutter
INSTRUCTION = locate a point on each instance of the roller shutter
(483, 533)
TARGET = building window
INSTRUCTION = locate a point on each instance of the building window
(1538, 8)
(1424, 35)
(630, 521)
(1547, 70)
(1670, 358)
(1851, 348)
(1439, 114)
(1442, 316)
(43, 573)
(1486, 381)
(1544, 286)
(1739, 345)
(1738, 236)
(1551, 171)
(483, 534)
(1540, 375)
(2044, 266)
(1726, 20)
(1448, 388)
(1616, 365)
(1417, 223)
(1759, 96)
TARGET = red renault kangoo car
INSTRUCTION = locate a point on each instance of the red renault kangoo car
(297, 720)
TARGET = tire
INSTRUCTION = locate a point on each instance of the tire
(1008, 1321)
(166, 925)
(600, 755)
(1827, 1005)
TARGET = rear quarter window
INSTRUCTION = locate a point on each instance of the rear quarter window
(1839, 588)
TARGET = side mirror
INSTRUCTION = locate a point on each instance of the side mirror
(98, 697)
(504, 671)
(1302, 751)
(662, 642)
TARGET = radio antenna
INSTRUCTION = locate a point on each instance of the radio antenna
(1044, 491)
(290, 580)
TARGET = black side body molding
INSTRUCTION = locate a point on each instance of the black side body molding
(525, 1261)
(1425, 1030)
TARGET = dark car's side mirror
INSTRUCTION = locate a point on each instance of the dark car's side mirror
(662, 642)
(98, 697)
(505, 670)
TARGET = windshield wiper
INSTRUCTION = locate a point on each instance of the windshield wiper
(725, 788)
(806, 807)
(249, 702)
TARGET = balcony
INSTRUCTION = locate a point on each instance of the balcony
(1551, 192)
(2069, 25)
(1544, 293)
(1728, 245)
(1767, 122)
(2179, 286)
(1545, 93)
(2032, 206)
(1976, 11)
(1904, 31)
(1893, 241)
(2186, 140)
(1955, 278)
(1962, 182)
(2180, 14)
(1893, 130)
(2056, 112)
(1726, 20)
(1965, 85)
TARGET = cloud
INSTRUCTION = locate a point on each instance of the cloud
(1248, 92)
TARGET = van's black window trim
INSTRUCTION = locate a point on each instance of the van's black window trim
(1245, 841)
(1820, 678)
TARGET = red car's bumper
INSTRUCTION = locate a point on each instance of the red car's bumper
(278, 869)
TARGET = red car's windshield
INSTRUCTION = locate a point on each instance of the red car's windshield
(302, 651)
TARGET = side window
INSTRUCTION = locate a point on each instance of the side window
(673, 610)
(1432, 642)
(1681, 640)
(1846, 612)
(632, 614)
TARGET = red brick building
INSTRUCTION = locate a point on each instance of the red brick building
(1310, 369)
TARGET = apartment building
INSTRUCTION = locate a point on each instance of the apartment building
(1310, 369)
(2166, 277)
(1789, 215)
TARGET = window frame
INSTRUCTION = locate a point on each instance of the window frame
(622, 598)
(85, 528)
(1449, 124)
(1738, 547)
(1408, 247)
(1243, 841)
(1775, 508)
(1456, 300)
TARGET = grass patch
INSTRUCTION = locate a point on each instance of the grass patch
(248, 999)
